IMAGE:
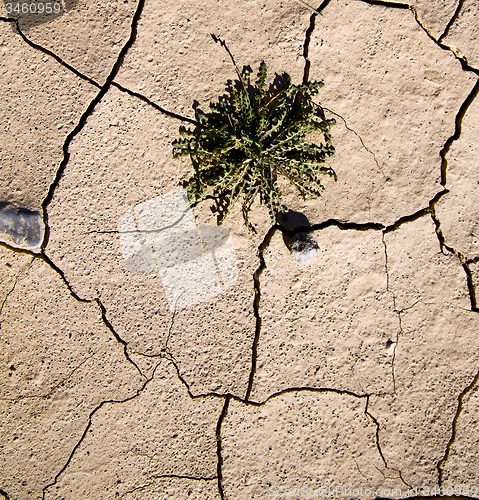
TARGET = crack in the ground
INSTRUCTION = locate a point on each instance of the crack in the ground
(462, 59)
(340, 224)
(90, 417)
(378, 443)
(79, 126)
(460, 399)
(462, 259)
(169, 357)
(5, 494)
(457, 130)
(91, 81)
(256, 301)
(307, 40)
(219, 448)
(384, 3)
(471, 287)
(156, 106)
(473, 260)
(343, 225)
(451, 21)
(96, 300)
(359, 137)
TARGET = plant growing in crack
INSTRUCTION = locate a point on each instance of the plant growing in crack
(250, 138)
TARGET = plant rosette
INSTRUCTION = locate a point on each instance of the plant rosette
(250, 138)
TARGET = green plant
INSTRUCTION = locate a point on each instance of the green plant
(251, 137)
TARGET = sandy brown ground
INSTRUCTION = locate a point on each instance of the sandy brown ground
(355, 376)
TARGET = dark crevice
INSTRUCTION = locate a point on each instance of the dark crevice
(462, 260)
(25, 251)
(462, 59)
(54, 56)
(384, 3)
(169, 357)
(454, 428)
(105, 320)
(256, 301)
(84, 117)
(439, 234)
(156, 106)
(2, 492)
(219, 448)
(407, 218)
(120, 87)
(115, 334)
(471, 287)
(451, 21)
(457, 131)
(48, 261)
(307, 40)
(92, 413)
(343, 225)
(249, 402)
(309, 389)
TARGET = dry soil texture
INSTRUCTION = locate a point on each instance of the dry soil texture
(146, 354)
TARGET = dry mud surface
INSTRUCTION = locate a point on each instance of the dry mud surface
(145, 353)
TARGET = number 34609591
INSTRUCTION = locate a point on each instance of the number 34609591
(33, 8)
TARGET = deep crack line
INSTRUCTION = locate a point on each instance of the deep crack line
(471, 287)
(156, 106)
(457, 130)
(451, 21)
(463, 61)
(83, 119)
(91, 81)
(256, 301)
(54, 56)
(460, 399)
(219, 447)
(169, 357)
(462, 259)
(97, 301)
(92, 414)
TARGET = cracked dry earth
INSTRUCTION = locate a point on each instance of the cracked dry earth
(355, 375)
